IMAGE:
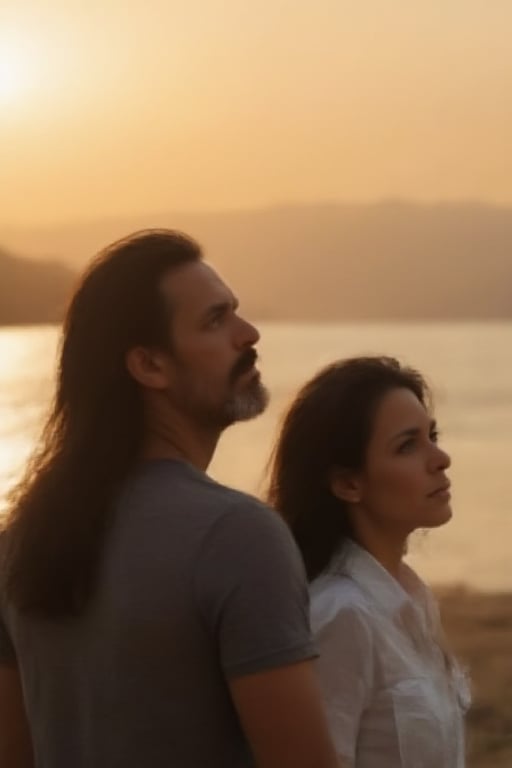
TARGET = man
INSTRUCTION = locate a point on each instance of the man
(150, 616)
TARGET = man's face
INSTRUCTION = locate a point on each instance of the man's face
(212, 373)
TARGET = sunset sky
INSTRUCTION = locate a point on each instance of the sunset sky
(119, 106)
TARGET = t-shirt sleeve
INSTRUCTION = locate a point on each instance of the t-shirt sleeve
(252, 592)
(344, 670)
(7, 653)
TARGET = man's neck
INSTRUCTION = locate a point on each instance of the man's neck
(182, 442)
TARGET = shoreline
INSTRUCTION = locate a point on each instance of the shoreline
(478, 626)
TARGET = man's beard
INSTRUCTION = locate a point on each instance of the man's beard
(242, 404)
(248, 404)
(253, 400)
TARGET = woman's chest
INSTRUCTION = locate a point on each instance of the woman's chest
(413, 713)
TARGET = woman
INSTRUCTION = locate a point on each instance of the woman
(357, 468)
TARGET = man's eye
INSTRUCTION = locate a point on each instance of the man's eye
(215, 321)
(434, 436)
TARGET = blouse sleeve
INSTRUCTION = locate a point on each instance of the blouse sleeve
(345, 672)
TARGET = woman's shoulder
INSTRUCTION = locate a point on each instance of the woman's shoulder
(338, 597)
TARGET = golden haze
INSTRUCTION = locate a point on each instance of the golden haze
(161, 106)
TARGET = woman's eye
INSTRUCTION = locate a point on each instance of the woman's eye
(434, 436)
(406, 446)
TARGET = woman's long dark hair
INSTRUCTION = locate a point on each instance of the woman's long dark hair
(93, 437)
(328, 426)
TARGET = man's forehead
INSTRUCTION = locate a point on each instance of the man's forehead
(195, 286)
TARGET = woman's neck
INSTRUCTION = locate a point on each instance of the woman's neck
(387, 548)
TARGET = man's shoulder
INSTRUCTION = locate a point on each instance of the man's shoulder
(175, 485)
(238, 510)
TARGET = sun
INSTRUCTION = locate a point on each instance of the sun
(16, 69)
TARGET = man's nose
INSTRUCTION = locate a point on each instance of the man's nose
(248, 334)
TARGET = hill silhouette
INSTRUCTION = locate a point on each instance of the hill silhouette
(390, 260)
(32, 291)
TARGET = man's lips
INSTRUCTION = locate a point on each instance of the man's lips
(245, 365)
(249, 372)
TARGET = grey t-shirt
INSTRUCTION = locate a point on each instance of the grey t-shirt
(198, 584)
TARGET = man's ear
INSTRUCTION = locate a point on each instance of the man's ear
(149, 367)
(345, 485)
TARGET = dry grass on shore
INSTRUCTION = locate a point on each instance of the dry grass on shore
(479, 629)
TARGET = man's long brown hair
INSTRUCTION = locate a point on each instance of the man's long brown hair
(92, 440)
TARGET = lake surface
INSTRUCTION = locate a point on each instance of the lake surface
(469, 366)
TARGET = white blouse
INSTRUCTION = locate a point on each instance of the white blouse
(392, 699)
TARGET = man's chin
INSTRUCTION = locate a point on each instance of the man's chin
(249, 404)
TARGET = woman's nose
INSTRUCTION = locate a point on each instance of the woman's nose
(441, 459)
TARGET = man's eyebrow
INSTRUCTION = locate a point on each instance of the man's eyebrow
(220, 307)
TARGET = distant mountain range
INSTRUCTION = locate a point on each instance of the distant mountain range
(390, 260)
(32, 291)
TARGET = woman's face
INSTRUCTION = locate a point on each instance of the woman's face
(404, 483)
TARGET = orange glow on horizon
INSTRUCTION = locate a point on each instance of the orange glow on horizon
(210, 105)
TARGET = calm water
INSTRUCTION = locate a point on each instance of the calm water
(468, 365)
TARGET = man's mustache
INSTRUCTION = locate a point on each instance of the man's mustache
(245, 362)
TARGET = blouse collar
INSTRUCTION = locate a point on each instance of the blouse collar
(408, 602)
